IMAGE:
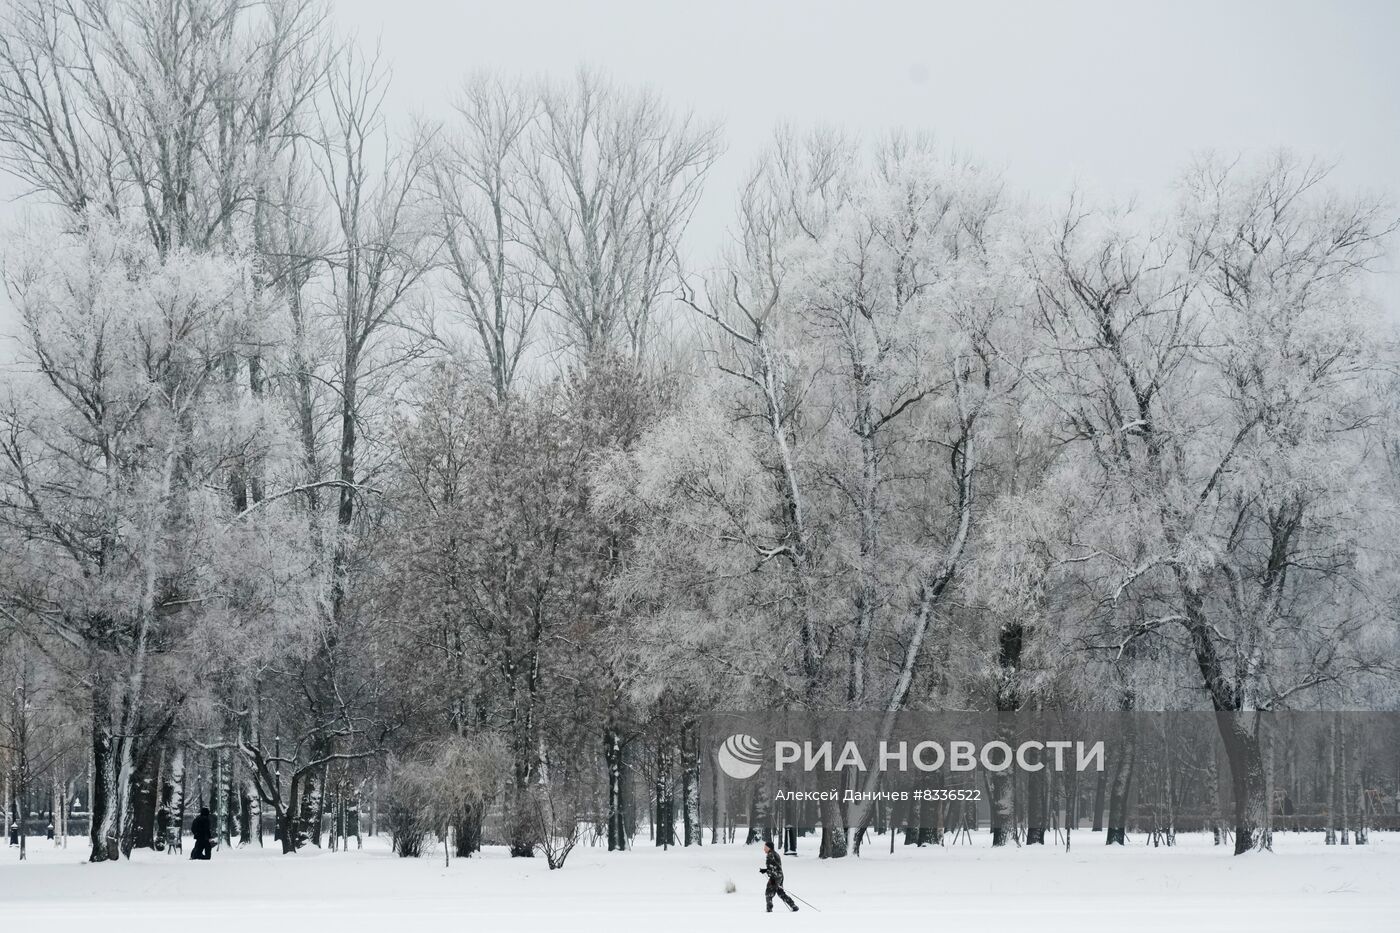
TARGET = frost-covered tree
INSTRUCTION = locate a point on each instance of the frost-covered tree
(113, 453)
(499, 561)
(822, 474)
(1218, 378)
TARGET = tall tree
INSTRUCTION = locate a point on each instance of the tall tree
(1217, 376)
(614, 176)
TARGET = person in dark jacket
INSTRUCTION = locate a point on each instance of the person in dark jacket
(202, 829)
(773, 868)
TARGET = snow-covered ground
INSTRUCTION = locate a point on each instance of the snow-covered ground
(1194, 887)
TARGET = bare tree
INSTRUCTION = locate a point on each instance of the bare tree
(478, 181)
(378, 252)
(614, 176)
(377, 258)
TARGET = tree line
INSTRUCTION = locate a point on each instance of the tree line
(349, 461)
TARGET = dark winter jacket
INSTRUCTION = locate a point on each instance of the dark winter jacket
(201, 829)
(774, 866)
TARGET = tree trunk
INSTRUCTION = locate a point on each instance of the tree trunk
(1120, 787)
(714, 806)
(161, 829)
(317, 817)
(1010, 643)
(522, 842)
(834, 839)
(218, 794)
(287, 832)
(1357, 793)
(612, 755)
(1239, 730)
(245, 814)
(101, 810)
(145, 802)
(1100, 786)
(665, 799)
(308, 812)
(759, 804)
(1037, 807)
(690, 785)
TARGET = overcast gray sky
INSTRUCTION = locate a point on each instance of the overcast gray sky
(1111, 96)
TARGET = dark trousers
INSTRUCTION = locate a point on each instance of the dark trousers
(775, 888)
(202, 850)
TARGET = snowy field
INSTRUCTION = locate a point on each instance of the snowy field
(1194, 887)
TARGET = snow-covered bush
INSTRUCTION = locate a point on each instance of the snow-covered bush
(445, 789)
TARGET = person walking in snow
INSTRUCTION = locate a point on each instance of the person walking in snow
(202, 829)
(773, 868)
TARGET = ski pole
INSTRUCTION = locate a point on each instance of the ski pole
(795, 897)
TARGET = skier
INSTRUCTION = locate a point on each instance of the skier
(773, 868)
(203, 832)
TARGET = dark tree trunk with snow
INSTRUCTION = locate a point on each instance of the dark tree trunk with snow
(1120, 785)
(613, 758)
(664, 795)
(1356, 789)
(1248, 782)
(167, 831)
(690, 784)
(102, 819)
(835, 838)
(1010, 643)
(760, 810)
(1037, 807)
(144, 804)
(1100, 787)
